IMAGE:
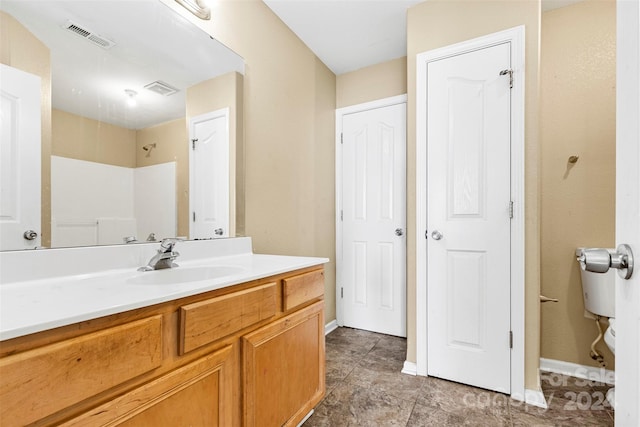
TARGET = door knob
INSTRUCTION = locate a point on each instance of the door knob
(30, 235)
(218, 231)
(436, 235)
(599, 260)
(399, 232)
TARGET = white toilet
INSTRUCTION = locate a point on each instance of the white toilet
(599, 293)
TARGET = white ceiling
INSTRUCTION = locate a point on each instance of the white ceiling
(348, 34)
(351, 34)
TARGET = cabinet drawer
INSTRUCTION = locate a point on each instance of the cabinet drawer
(302, 288)
(206, 321)
(42, 381)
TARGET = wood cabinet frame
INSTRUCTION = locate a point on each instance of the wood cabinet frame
(146, 364)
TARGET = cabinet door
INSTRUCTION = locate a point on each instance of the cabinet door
(284, 368)
(198, 394)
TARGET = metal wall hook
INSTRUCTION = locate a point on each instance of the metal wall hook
(573, 159)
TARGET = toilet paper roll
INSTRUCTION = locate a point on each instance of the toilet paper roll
(595, 260)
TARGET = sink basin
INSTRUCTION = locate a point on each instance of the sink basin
(176, 275)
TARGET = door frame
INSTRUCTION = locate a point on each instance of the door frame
(222, 112)
(516, 37)
(340, 113)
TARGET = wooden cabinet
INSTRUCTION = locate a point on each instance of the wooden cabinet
(302, 288)
(47, 379)
(206, 321)
(193, 395)
(283, 365)
(251, 354)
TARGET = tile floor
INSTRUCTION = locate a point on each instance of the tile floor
(365, 388)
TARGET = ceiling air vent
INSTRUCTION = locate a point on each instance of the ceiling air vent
(162, 88)
(88, 35)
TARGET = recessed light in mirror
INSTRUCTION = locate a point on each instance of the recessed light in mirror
(131, 97)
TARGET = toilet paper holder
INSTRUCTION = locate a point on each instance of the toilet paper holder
(598, 260)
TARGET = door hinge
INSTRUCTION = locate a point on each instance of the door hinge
(511, 209)
(194, 216)
(510, 72)
(341, 138)
(193, 143)
(510, 339)
(341, 215)
(341, 292)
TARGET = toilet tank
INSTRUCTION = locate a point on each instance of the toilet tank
(599, 290)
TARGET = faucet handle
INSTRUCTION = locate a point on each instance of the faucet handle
(169, 242)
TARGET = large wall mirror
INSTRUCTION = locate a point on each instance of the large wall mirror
(141, 124)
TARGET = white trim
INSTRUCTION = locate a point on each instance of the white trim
(330, 327)
(533, 398)
(409, 368)
(590, 373)
(306, 417)
(340, 113)
(516, 37)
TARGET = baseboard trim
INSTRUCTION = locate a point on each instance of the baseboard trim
(409, 368)
(579, 371)
(306, 417)
(535, 398)
(330, 327)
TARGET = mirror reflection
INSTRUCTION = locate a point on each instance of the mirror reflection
(140, 135)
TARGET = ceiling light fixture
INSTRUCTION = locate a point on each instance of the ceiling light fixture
(197, 7)
(131, 97)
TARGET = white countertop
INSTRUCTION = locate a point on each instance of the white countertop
(46, 303)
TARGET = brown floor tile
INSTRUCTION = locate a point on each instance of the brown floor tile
(405, 387)
(366, 388)
(339, 364)
(352, 340)
(353, 405)
(575, 394)
(453, 397)
(524, 415)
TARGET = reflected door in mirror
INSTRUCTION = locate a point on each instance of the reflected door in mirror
(209, 175)
(19, 159)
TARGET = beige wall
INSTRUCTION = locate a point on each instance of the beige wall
(289, 118)
(438, 23)
(20, 49)
(81, 138)
(578, 117)
(371, 83)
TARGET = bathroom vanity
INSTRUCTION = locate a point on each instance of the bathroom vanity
(240, 342)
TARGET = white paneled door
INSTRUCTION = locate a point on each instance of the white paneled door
(19, 159)
(468, 218)
(374, 217)
(627, 395)
(209, 175)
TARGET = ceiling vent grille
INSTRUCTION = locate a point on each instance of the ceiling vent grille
(88, 35)
(162, 88)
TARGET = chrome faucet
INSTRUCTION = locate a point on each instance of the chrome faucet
(164, 258)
